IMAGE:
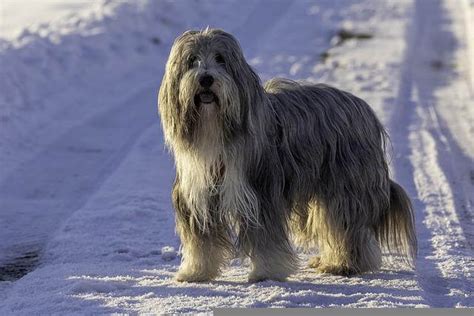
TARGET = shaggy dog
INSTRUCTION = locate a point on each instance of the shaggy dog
(258, 167)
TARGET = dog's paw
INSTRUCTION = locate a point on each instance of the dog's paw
(256, 278)
(184, 276)
(314, 262)
(335, 270)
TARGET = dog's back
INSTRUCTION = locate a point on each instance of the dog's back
(332, 133)
(330, 110)
(332, 148)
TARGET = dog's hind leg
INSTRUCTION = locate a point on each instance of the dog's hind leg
(346, 242)
(354, 253)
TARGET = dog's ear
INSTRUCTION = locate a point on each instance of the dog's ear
(168, 97)
(248, 83)
(174, 115)
(251, 95)
(169, 89)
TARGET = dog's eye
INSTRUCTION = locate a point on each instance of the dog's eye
(220, 59)
(192, 60)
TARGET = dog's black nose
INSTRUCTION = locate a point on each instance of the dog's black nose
(206, 81)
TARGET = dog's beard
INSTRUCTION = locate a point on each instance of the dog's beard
(209, 115)
(215, 118)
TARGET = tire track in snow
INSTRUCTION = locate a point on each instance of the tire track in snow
(58, 181)
(443, 260)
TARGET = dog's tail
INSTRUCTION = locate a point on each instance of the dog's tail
(396, 231)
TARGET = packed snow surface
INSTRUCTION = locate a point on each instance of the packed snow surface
(85, 181)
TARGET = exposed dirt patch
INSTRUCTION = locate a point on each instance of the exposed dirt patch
(19, 266)
(344, 35)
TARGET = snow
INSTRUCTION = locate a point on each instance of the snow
(85, 181)
(15, 15)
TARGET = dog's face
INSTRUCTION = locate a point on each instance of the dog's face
(206, 78)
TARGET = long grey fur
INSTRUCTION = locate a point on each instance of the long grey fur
(262, 167)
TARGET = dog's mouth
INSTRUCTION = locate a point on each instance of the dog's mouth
(205, 97)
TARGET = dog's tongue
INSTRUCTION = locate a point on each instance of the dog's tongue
(206, 97)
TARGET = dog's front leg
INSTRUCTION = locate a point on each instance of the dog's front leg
(204, 251)
(202, 258)
(270, 251)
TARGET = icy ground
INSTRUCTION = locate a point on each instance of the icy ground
(85, 181)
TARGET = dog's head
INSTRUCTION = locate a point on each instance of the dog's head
(206, 79)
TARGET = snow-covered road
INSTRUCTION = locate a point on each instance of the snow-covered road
(85, 181)
(438, 170)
